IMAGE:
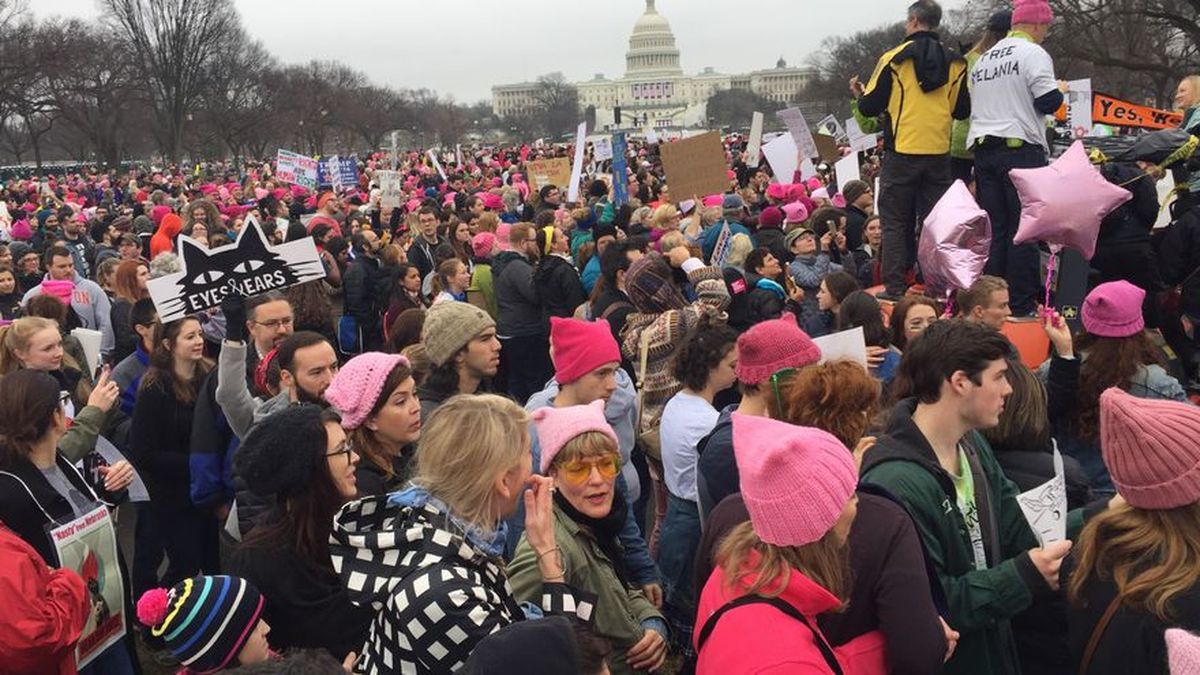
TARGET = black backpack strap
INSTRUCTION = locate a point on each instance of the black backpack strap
(711, 623)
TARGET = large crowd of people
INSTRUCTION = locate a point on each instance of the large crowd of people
(508, 432)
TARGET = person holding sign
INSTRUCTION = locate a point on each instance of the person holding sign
(918, 87)
(1136, 570)
(1013, 88)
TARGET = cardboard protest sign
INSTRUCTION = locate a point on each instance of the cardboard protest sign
(346, 174)
(292, 167)
(577, 165)
(1045, 506)
(391, 185)
(543, 172)
(782, 155)
(249, 266)
(88, 546)
(793, 119)
(827, 148)
(754, 145)
(620, 169)
(696, 166)
(602, 149)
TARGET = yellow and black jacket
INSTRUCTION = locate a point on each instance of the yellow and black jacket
(918, 87)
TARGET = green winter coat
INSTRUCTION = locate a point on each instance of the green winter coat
(481, 282)
(619, 611)
(981, 602)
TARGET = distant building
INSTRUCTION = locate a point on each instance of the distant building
(655, 91)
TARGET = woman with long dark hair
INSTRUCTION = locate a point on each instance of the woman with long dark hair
(406, 293)
(302, 458)
(160, 440)
(1135, 568)
(861, 310)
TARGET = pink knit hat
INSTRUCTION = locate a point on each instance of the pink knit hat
(359, 384)
(1183, 651)
(557, 426)
(59, 289)
(795, 480)
(777, 191)
(1032, 11)
(492, 201)
(579, 347)
(1114, 309)
(1150, 449)
(771, 346)
(482, 244)
(795, 212)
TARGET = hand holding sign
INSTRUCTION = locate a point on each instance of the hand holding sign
(1045, 506)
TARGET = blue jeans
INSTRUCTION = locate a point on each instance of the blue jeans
(676, 554)
(1017, 264)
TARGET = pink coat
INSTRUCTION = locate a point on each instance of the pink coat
(761, 639)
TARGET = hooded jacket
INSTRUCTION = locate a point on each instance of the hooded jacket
(918, 87)
(43, 613)
(518, 308)
(92, 307)
(436, 588)
(981, 601)
(558, 287)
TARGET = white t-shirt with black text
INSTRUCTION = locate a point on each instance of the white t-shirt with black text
(1004, 83)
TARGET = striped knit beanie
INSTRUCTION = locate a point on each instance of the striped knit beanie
(204, 621)
(651, 287)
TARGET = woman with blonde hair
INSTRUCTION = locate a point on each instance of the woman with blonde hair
(1135, 570)
(35, 343)
(428, 558)
(740, 246)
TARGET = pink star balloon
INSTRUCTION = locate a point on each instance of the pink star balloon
(1063, 204)
(954, 242)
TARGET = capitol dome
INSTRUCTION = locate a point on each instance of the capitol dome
(652, 50)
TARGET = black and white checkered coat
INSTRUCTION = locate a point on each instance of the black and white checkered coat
(436, 594)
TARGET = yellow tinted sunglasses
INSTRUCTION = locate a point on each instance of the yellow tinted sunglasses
(578, 472)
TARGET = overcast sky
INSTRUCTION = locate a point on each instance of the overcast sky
(463, 47)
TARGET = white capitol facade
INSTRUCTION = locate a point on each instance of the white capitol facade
(655, 91)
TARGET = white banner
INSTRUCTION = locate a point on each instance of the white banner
(577, 165)
(754, 145)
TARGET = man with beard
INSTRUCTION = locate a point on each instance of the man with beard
(460, 339)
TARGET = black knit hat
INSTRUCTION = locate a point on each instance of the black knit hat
(280, 452)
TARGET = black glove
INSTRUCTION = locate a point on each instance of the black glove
(234, 309)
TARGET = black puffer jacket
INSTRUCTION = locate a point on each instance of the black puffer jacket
(558, 287)
(518, 310)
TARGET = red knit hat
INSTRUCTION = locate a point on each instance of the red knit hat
(1150, 449)
(579, 347)
(1033, 12)
(771, 346)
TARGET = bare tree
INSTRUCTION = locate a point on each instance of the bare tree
(175, 41)
(558, 104)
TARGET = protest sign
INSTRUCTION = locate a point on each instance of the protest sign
(436, 164)
(1118, 113)
(295, 168)
(543, 172)
(696, 166)
(754, 145)
(807, 169)
(620, 169)
(847, 169)
(395, 149)
(602, 149)
(848, 344)
(90, 340)
(391, 186)
(827, 148)
(458, 155)
(651, 136)
(793, 119)
(782, 155)
(249, 266)
(346, 174)
(1079, 107)
(88, 546)
(1045, 506)
(859, 140)
(577, 165)
(829, 126)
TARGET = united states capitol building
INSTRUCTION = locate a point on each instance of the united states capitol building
(655, 92)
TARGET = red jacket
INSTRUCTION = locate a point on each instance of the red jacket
(43, 611)
(761, 639)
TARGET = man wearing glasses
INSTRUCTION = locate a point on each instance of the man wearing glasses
(769, 354)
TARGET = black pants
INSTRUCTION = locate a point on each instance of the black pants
(147, 550)
(909, 186)
(1018, 264)
(191, 539)
(527, 360)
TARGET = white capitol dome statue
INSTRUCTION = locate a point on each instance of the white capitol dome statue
(655, 91)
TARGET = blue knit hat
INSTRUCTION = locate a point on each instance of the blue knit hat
(204, 621)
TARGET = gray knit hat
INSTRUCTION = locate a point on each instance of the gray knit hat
(449, 326)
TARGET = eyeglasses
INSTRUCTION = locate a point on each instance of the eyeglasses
(578, 472)
(64, 399)
(275, 324)
(781, 378)
(344, 448)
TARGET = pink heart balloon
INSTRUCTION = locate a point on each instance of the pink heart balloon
(1063, 204)
(954, 242)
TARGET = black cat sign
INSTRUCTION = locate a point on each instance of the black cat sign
(249, 266)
